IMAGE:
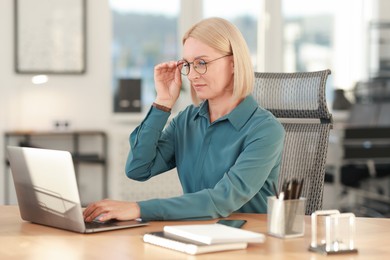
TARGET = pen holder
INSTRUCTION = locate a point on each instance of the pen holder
(332, 232)
(286, 217)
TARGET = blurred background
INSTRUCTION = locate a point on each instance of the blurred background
(78, 75)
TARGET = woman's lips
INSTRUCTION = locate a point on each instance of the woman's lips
(198, 86)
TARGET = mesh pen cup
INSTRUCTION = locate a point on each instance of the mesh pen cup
(286, 217)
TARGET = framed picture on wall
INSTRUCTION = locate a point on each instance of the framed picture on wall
(50, 36)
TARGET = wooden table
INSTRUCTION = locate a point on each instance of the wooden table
(24, 240)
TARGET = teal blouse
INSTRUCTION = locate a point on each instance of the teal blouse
(224, 167)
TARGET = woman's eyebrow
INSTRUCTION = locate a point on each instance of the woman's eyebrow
(197, 57)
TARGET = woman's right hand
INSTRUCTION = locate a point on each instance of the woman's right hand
(167, 79)
(105, 210)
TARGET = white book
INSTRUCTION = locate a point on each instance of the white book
(187, 246)
(215, 233)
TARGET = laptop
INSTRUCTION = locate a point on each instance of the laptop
(47, 192)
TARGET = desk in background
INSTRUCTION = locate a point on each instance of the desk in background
(73, 141)
(22, 240)
(358, 161)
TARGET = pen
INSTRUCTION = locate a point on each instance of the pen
(300, 188)
(294, 189)
(275, 190)
(287, 191)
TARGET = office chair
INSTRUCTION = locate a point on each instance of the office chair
(298, 101)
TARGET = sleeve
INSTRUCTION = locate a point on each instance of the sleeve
(150, 155)
(257, 162)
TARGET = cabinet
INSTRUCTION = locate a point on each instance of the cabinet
(379, 49)
(359, 160)
(87, 147)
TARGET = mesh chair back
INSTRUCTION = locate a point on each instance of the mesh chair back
(298, 101)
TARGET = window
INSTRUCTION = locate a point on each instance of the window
(308, 34)
(308, 37)
(244, 14)
(328, 34)
(144, 34)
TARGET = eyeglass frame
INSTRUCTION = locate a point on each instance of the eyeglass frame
(181, 62)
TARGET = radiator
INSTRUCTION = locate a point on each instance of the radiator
(162, 186)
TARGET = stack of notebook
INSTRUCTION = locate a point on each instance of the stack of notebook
(203, 238)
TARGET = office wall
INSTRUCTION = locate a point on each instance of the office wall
(84, 99)
(77, 98)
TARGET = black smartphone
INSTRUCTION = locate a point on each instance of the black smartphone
(237, 223)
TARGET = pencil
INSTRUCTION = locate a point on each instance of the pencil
(275, 190)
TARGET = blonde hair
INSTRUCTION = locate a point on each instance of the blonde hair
(225, 37)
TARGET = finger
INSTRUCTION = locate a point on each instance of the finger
(102, 217)
(93, 211)
(90, 216)
(162, 66)
(178, 79)
(88, 210)
(166, 67)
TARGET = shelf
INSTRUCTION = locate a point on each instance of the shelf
(379, 49)
(35, 138)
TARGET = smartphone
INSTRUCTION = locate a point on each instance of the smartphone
(237, 223)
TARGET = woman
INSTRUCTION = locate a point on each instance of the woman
(227, 149)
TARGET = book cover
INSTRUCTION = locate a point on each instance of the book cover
(187, 246)
(214, 233)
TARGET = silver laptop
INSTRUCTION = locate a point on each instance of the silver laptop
(47, 193)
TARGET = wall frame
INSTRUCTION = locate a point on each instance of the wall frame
(50, 36)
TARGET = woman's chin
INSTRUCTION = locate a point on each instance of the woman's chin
(200, 95)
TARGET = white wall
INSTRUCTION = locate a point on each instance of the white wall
(78, 98)
(84, 100)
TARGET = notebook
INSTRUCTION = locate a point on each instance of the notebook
(188, 246)
(47, 192)
(214, 233)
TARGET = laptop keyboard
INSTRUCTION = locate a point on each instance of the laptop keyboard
(96, 224)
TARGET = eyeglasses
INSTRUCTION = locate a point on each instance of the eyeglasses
(199, 65)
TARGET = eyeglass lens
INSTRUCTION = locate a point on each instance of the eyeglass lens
(199, 66)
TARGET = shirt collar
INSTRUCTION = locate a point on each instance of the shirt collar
(238, 117)
(204, 109)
